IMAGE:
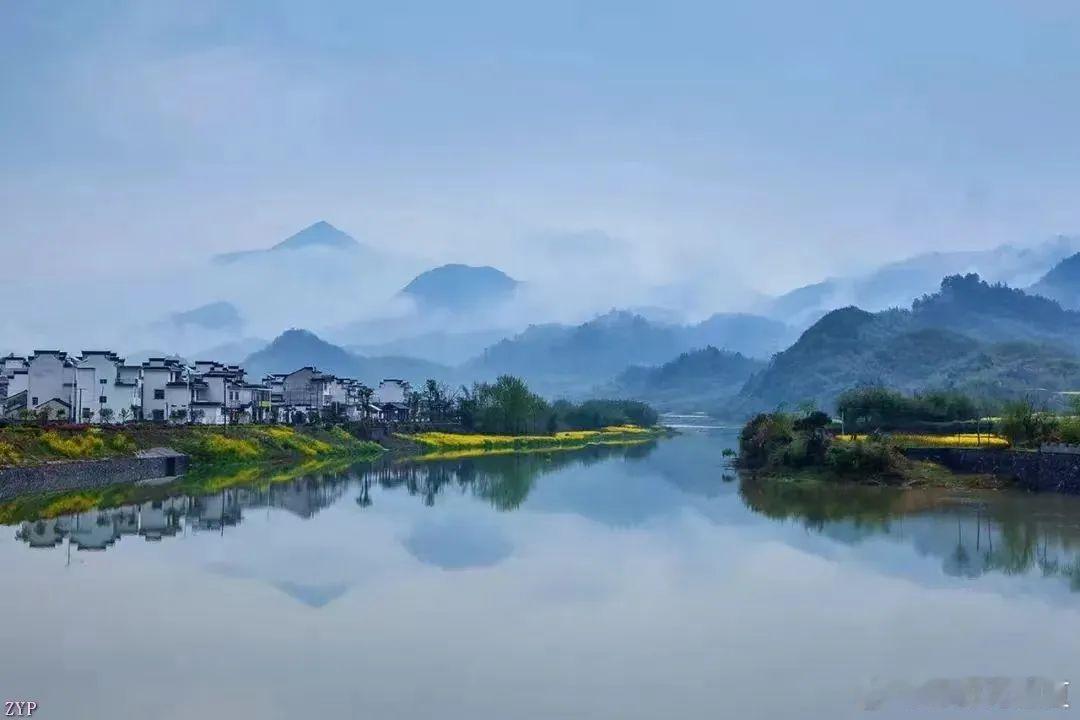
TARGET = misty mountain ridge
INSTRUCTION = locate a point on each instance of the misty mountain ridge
(319, 235)
(562, 359)
(298, 348)
(1061, 283)
(445, 348)
(991, 340)
(697, 380)
(457, 287)
(218, 315)
(896, 284)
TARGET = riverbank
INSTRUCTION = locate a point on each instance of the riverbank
(23, 446)
(63, 470)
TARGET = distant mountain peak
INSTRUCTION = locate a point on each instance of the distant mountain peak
(317, 235)
(218, 315)
(1061, 283)
(458, 287)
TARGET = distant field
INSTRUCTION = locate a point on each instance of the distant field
(477, 444)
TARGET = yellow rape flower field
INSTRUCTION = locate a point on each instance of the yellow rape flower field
(448, 445)
(960, 440)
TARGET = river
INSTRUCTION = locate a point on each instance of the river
(623, 582)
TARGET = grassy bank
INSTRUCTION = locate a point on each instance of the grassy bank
(207, 445)
(443, 445)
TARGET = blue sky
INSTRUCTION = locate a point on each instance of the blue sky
(804, 139)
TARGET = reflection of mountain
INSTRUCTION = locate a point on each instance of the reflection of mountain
(315, 596)
(458, 543)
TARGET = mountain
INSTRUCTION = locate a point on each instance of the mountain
(321, 235)
(447, 348)
(694, 381)
(233, 351)
(1061, 283)
(562, 359)
(295, 348)
(897, 284)
(752, 335)
(460, 287)
(967, 304)
(212, 316)
(990, 340)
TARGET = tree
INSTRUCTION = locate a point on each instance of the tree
(178, 415)
(106, 415)
(126, 415)
(365, 394)
(412, 401)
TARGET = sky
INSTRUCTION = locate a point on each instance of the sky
(763, 144)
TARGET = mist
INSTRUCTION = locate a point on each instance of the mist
(691, 160)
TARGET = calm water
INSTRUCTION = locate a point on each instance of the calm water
(646, 582)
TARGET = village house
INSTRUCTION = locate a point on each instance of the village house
(106, 389)
(391, 399)
(99, 387)
(14, 380)
(305, 393)
(51, 384)
(164, 389)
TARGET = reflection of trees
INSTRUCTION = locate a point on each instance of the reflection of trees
(504, 480)
(1006, 533)
(817, 504)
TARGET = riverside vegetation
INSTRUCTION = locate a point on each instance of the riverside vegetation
(877, 424)
(31, 444)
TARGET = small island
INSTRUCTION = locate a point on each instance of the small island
(938, 438)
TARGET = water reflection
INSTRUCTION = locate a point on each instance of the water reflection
(636, 582)
(972, 533)
(504, 481)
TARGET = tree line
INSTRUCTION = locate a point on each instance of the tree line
(508, 407)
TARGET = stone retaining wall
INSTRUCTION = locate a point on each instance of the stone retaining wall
(1040, 471)
(80, 474)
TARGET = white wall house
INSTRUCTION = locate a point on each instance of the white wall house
(157, 374)
(14, 378)
(50, 381)
(106, 388)
(392, 390)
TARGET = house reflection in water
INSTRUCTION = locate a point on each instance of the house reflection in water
(155, 520)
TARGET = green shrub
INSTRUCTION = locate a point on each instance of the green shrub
(862, 457)
(764, 439)
(1023, 426)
